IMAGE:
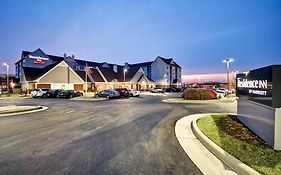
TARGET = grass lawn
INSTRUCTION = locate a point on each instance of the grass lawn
(231, 135)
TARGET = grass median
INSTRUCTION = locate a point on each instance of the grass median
(231, 135)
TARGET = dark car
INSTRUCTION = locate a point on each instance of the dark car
(69, 94)
(170, 90)
(52, 93)
(108, 94)
(124, 92)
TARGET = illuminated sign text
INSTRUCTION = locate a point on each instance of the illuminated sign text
(256, 84)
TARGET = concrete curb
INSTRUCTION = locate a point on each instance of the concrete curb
(198, 101)
(153, 94)
(230, 160)
(207, 162)
(24, 111)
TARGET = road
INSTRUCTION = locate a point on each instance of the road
(123, 136)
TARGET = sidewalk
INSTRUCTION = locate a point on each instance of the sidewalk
(17, 109)
(199, 154)
(199, 149)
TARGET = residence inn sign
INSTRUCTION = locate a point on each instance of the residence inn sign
(259, 104)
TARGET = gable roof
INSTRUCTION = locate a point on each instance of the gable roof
(32, 73)
(168, 61)
(95, 74)
(89, 63)
(110, 75)
(144, 64)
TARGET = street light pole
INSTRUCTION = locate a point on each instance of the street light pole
(227, 61)
(125, 70)
(165, 81)
(7, 67)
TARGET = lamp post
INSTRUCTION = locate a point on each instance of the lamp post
(227, 61)
(165, 76)
(125, 70)
(7, 67)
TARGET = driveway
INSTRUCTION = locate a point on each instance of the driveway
(123, 136)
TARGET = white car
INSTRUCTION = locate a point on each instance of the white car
(39, 93)
(220, 93)
(134, 93)
(157, 90)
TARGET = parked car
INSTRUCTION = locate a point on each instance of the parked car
(170, 90)
(226, 91)
(157, 90)
(39, 93)
(69, 94)
(123, 92)
(52, 93)
(134, 93)
(108, 94)
(221, 92)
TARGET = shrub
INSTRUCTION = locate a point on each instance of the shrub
(199, 94)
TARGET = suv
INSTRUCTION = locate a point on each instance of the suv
(124, 92)
(39, 93)
(134, 93)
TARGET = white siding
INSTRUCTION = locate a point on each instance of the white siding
(158, 70)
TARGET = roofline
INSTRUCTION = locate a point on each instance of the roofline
(140, 69)
(56, 67)
(105, 80)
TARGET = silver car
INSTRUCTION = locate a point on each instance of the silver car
(39, 93)
(157, 90)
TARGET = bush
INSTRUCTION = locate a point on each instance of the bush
(199, 94)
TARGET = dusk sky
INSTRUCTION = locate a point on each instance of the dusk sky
(198, 34)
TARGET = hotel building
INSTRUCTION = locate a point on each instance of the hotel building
(39, 70)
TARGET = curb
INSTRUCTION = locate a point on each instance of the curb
(230, 160)
(198, 101)
(24, 111)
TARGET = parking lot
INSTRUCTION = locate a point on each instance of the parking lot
(120, 136)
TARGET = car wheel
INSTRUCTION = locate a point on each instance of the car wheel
(44, 96)
(70, 96)
(107, 96)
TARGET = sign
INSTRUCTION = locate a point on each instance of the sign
(261, 85)
(39, 61)
(38, 57)
(253, 85)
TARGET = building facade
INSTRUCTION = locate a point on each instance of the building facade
(39, 70)
(164, 72)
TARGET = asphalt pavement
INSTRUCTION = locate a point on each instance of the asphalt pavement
(122, 136)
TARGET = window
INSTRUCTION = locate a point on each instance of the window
(167, 67)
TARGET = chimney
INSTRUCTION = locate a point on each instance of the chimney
(72, 56)
(126, 65)
(115, 69)
(64, 55)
